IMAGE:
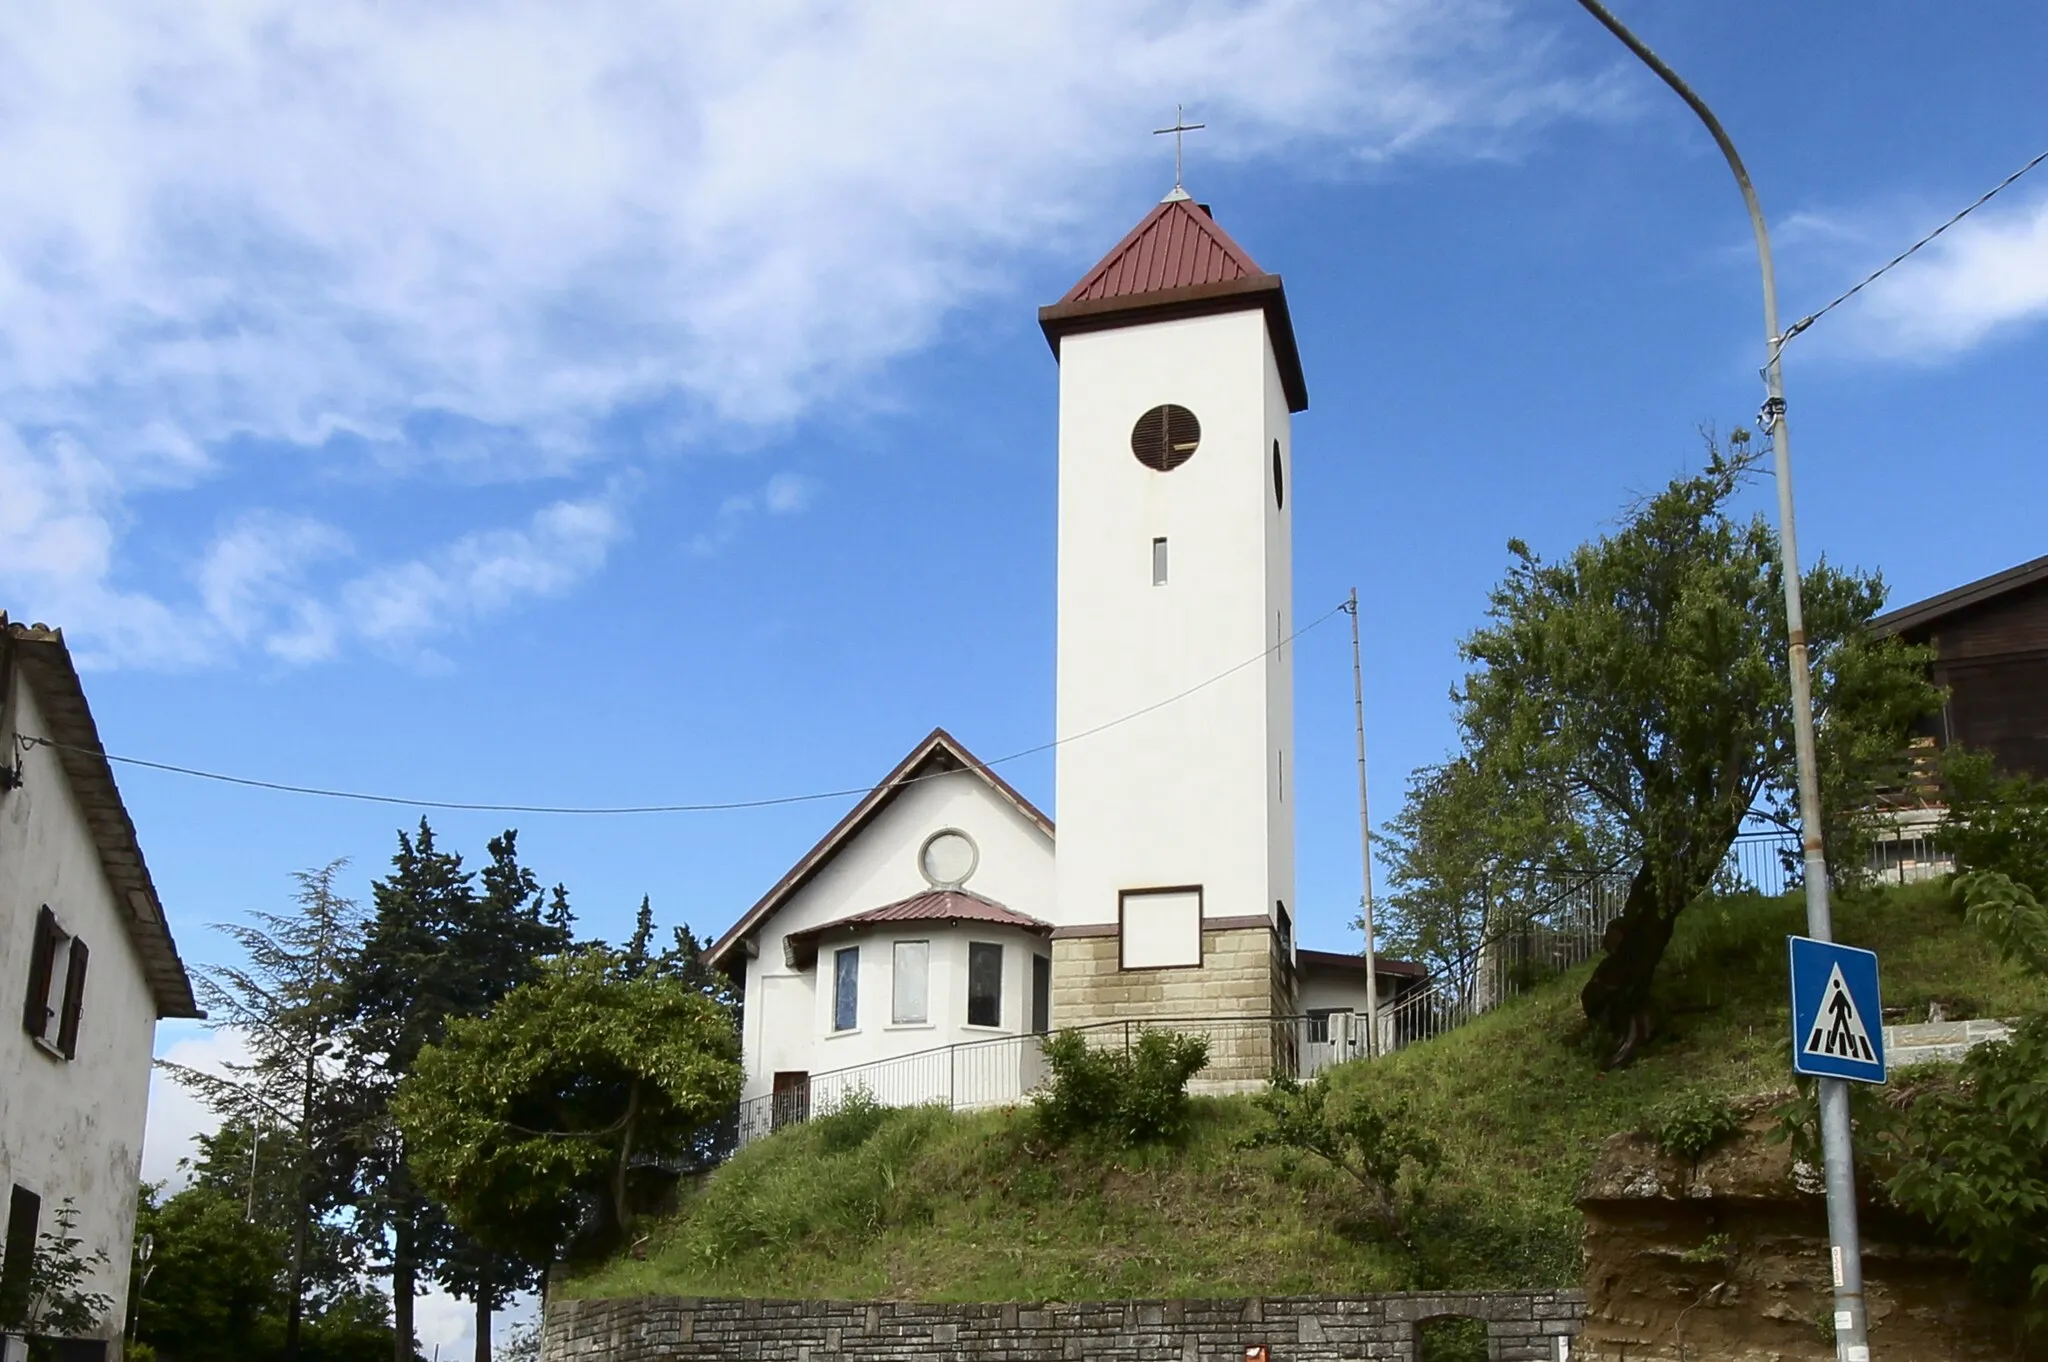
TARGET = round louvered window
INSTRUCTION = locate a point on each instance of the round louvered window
(1165, 437)
(1279, 480)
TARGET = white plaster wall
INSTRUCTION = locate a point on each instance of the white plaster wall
(70, 1128)
(1190, 793)
(1329, 989)
(1280, 665)
(788, 1014)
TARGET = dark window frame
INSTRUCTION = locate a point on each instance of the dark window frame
(845, 991)
(23, 1231)
(1041, 994)
(978, 950)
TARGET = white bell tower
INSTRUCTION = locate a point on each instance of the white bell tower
(1175, 852)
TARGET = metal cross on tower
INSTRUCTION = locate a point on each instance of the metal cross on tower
(1180, 126)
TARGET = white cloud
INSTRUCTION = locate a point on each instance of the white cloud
(1984, 279)
(176, 1117)
(1987, 276)
(788, 493)
(482, 574)
(254, 221)
(784, 494)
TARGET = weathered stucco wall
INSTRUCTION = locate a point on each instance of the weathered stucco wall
(1728, 1259)
(1524, 1327)
(70, 1128)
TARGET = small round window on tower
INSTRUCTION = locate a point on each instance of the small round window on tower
(1165, 437)
(1279, 480)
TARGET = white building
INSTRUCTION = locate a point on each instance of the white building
(88, 968)
(917, 948)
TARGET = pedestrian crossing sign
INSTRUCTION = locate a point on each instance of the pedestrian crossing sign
(1837, 1022)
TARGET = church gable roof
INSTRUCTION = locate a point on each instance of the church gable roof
(938, 754)
(1178, 262)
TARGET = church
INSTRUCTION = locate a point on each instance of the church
(917, 951)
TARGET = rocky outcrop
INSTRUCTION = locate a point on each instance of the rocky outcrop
(1727, 1259)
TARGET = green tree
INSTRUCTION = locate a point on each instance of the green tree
(215, 1275)
(440, 948)
(558, 1092)
(1642, 684)
(1467, 860)
(288, 1003)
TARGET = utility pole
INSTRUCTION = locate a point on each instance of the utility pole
(1852, 1330)
(1372, 967)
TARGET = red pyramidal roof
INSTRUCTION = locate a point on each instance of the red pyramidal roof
(1178, 263)
(1176, 246)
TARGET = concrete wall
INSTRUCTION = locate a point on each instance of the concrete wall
(1532, 1326)
(1190, 793)
(70, 1128)
(788, 1015)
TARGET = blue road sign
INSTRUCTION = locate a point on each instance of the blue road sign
(1837, 1023)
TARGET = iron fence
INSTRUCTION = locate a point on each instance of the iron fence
(1556, 920)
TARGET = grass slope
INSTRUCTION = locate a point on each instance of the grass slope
(928, 1205)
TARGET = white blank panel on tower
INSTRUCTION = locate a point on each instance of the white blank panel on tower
(1161, 928)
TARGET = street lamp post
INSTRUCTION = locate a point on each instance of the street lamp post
(1852, 1337)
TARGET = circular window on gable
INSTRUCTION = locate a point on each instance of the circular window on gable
(1279, 480)
(948, 858)
(1165, 437)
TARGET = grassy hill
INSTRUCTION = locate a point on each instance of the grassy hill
(927, 1205)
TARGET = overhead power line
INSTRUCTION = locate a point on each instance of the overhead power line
(28, 740)
(1902, 256)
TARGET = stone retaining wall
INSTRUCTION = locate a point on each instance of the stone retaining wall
(1533, 1326)
(1940, 1042)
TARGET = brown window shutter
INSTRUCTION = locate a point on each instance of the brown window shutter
(35, 1012)
(74, 1000)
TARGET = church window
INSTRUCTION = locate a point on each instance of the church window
(1159, 562)
(911, 987)
(1166, 437)
(1279, 480)
(1160, 928)
(984, 984)
(846, 988)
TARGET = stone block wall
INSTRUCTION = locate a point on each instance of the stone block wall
(1533, 1326)
(1243, 980)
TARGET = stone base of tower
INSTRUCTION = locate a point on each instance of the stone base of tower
(1239, 998)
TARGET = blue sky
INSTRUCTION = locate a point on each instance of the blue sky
(485, 403)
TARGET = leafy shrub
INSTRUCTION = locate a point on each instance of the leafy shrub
(1451, 1338)
(1378, 1142)
(49, 1295)
(851, 1122)
(1970, 1154)
(1124, 1096)
(1996, 823)
(1691, 1124)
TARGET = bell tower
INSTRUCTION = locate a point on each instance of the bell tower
(1174, 865)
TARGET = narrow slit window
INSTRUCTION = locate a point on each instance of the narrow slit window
(846, 988)
(1159, 562)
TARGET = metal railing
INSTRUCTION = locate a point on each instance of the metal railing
(1561, 925)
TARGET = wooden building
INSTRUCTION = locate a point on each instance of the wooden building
(1990, 640)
